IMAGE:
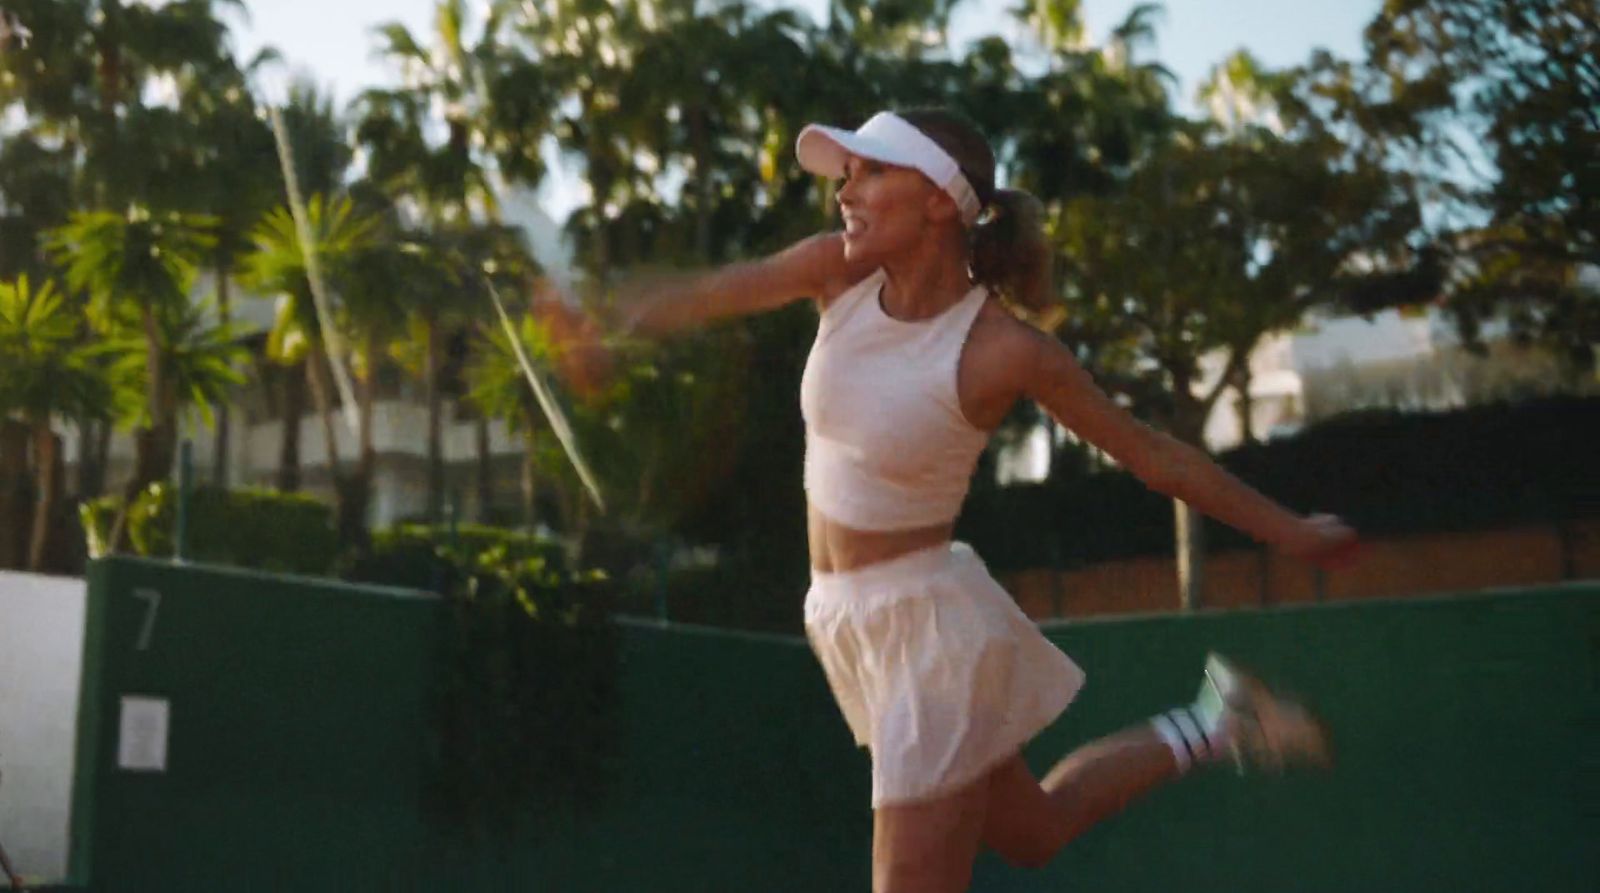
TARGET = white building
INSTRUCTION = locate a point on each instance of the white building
(1409, 360)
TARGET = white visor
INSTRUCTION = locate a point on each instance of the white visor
(889, 138)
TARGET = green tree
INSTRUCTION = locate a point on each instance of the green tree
(460, 85)
(447, 301)
(709, 69)
(137, 269)
(491, 113)
(1208, 247)
(277, 269)
(321, 156)
(197, 359)
(586, 50)
(1095, 112)
(499, 389)
(654, 431)
(373, 309)
(83, 79)
(45, 372)
(1491, 106)
(229, 175)
(86, 82)
(36, 190)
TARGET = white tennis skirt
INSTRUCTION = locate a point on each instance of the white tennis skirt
(938, 673)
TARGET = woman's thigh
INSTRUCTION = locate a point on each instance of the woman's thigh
(929, 846)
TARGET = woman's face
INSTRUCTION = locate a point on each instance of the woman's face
(886, 208)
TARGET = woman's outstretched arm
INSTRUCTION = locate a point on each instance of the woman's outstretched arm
(813, 268)
(1054, 378)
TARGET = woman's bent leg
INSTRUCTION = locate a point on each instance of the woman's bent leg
(1028, 822)
(1235, 717)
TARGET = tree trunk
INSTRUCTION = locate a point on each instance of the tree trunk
(579, 535)
(294, 407)
(367, 458)
(430, 386)
(485, 468)
(1191, 541)
(92, 472)
(530, 480)
(1240, 381)
(13, 493)
(152, 362)
(45, 446)
(349, 510)
(154, 450)
(1188, 425)
(703, 185)
(91, 466)
(357, 498)
(600, 184)
(1567, 536)
(317, 374)
(219, 462)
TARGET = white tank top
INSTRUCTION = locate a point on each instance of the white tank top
(887, 446)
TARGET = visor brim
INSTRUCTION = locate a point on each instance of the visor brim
(823, 150)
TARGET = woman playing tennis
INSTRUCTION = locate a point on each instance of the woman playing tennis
(916, 361)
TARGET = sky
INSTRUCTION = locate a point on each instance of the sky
(332, 39)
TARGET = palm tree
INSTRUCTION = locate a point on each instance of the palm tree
(319, 136)
(1083, 124)
(197, 365)
(432, 298)
(137, 269)
(321, 158)
(499, 390)
(587, 52)
(1057, 23)
(82, 78)
(44, 372)
(451, 79)
(905, 30)
(707, 71)
(379, 284)
(225, 177)
(494, 112)
(198, 359)
(36, 186)
(276, 268)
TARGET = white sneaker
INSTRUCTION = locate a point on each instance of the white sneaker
(1261, 729)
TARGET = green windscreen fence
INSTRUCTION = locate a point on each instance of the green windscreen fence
(247, 732)
(290, 711)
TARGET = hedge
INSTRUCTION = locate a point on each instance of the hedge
(422, 556)
(1387, 472)
(251, 528)
(525, 708)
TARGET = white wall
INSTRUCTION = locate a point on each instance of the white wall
(41, 647)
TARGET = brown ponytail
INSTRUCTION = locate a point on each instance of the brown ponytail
(1009, 252)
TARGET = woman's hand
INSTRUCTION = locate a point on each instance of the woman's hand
(581, 356)
(1323, 540)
